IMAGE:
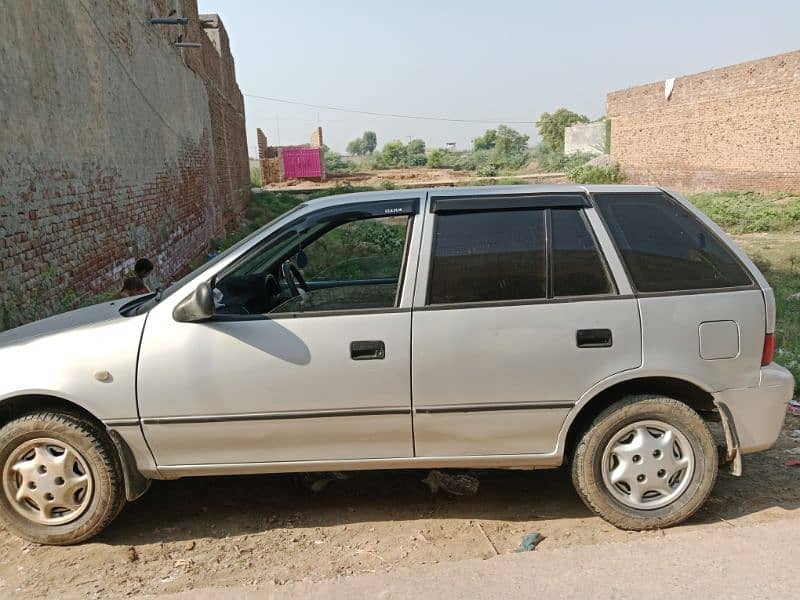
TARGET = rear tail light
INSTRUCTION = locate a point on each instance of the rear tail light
(769, 349)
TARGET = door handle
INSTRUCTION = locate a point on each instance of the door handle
(593, 338)
(367, 350)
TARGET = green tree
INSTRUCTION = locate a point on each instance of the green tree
(370, 141)
(415, 147)
(394, 154)
(510, 141)
(486, 141)
(551, 127)
(356, 147)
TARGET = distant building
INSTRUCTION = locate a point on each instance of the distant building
(279, 163)
(589, 138)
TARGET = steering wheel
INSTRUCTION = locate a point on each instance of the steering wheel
(294, 279)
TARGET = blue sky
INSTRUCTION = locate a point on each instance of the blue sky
(501, 60)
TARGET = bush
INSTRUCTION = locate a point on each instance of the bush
(489, 170)
(591, 174)
(437, 158)
(334, 163)
(415, 152)
(394, 154)
(550, 160)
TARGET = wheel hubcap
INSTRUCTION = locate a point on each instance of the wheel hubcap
(648, 465)
(47, 481)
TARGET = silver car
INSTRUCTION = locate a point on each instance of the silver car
(603, 327)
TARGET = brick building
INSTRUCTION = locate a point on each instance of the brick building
(279, 163)
(116, 144)
(734, 128)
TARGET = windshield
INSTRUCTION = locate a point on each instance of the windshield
(173, 287)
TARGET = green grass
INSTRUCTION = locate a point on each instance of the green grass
(777, 255)
(749, 212)
(767, 226)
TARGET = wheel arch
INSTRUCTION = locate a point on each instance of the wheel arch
(17, 406)
(593, 403)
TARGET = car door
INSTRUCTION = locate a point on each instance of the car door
(319, 380)
(520, 316)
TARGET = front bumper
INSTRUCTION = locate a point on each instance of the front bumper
(753, 417)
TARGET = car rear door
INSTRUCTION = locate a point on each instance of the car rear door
(517, 313)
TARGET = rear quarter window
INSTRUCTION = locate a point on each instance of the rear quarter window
(665, 248)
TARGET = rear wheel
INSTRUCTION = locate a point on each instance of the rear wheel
(646, 462)
(62, 481)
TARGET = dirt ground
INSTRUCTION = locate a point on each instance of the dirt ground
(251, 531)
(410, 177)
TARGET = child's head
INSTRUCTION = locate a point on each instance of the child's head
(143, 268)
(133, 286)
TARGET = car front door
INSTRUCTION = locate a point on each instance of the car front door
(308, 357)
(521, 315)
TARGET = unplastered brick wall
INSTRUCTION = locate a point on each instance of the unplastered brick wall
(270, 158)
(734, 128)
(115, 145)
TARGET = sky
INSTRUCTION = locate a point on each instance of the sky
(499, 61)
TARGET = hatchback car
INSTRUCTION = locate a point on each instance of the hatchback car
(603, 327)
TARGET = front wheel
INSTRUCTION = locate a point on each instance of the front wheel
(646, 462)
(62, 481)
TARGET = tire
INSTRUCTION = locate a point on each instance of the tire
(67, 474)
(615, 485)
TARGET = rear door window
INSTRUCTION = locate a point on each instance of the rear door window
(489, 256)
(578, 267)
(665, 248)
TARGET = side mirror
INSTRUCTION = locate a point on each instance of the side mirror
(198, 306)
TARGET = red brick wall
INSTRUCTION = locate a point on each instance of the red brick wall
(121, 148)
(735, 128)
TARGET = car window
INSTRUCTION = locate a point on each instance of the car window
(355, 265)
(488, 256)
(665, 248)
(345, 265)
(367, 249)
(578, 267)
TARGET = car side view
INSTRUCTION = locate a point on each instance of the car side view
(613, 329)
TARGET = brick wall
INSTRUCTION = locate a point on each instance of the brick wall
(270, 158)
(735, 128)
(115, 145)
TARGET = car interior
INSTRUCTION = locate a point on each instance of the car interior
(338, 264)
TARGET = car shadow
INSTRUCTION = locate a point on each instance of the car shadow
(219, 507)
(267, 336)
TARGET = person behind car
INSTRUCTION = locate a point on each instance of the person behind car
(133, 286)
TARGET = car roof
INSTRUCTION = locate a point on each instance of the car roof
(482, 190)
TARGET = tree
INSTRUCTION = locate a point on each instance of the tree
(370, 141)
(551, 127)
(356, 147)
(415, 147)
(510, 141)
(486, 141)
(394, 154)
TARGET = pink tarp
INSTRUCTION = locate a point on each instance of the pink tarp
(302, 163)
